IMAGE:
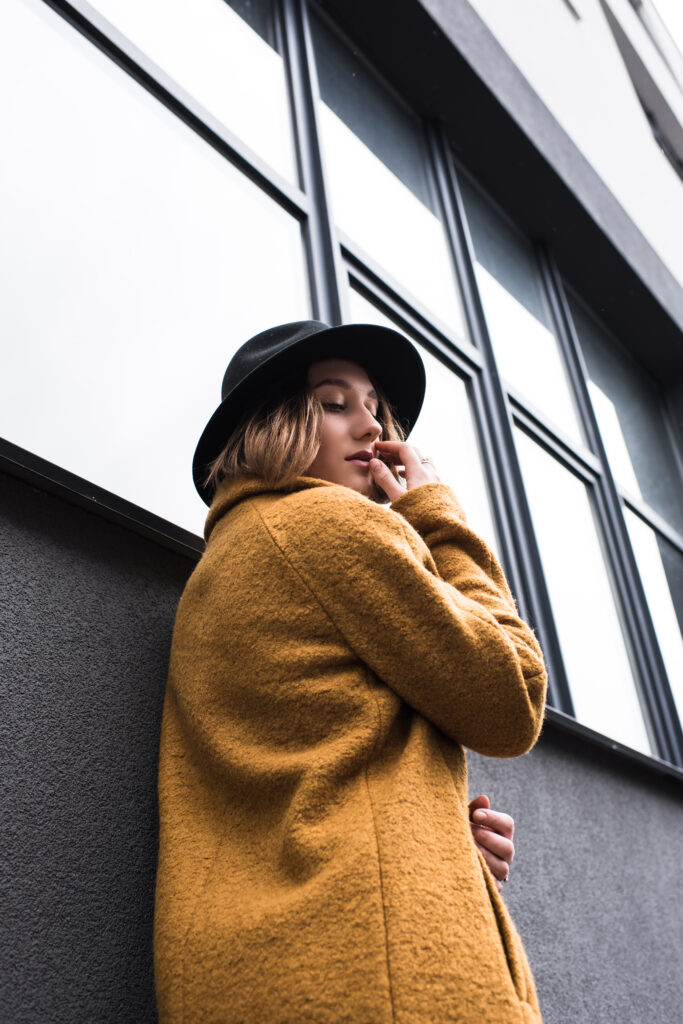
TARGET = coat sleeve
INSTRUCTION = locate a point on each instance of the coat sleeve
(421, 599)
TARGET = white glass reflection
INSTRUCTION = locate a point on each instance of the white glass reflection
(663, 585)
(382, 197)
(135, 261)
(613, 439)
(594, 651)
(628, 407)
(222, 54)
(517, 317)
(445, 429)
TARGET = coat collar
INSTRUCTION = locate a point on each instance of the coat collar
(235, 489)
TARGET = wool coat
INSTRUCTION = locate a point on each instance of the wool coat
(331, 659)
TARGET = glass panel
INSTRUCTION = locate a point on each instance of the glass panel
(661, 573)
(224, 54)
(445, 429)
(517, 316)
(628, 407)
(135, 260)
(380, 188)
(594, 650)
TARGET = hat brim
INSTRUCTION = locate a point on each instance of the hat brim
(389, 358)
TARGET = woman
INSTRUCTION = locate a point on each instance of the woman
(332, 656)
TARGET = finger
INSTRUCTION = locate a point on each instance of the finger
(416, 470)
(480, 802)
(398, 449)
(496, 820)
(385, 479)
(498, 845)
(500, 869)
(401, 453)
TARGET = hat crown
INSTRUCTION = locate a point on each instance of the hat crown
(262, 347)
(257, 368)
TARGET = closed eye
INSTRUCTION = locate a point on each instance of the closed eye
(337, 405)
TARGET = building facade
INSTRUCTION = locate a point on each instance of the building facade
(500, 181)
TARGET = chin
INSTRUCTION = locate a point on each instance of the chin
(365, 487)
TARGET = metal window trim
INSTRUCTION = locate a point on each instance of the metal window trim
(618, 752)
(326, 272)
(74, 489)
(364, 268)
(652, 519)
(463, 362)
(519, 549)
(579, 461)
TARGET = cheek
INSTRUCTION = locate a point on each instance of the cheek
(331, 435)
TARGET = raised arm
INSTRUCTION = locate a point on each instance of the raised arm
(445, 638)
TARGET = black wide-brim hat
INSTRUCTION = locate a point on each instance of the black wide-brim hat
(258, 366)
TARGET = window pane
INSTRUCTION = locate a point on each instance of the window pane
(445, 430)
(224, 54)
(518, 320)
(381, 192)
(628, 408)
(661, 573)
(135, 260)
(595, 656)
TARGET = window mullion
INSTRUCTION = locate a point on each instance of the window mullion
(322, 251)
(519, 548)
(641, 633)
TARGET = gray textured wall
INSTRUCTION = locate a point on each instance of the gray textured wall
(595, 888)
(87, 611)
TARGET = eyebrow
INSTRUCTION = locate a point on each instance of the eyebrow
(343, 384)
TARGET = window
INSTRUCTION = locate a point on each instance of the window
(628, 406)
(135, 261)
(571, 530)
(225, 55)
(661, 572)
(594, 648)
(641, 449)
(382, 194)
(517, 315)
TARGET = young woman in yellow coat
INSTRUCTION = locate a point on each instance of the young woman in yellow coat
(343, 638)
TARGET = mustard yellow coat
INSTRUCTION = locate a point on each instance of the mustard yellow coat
(331, 658)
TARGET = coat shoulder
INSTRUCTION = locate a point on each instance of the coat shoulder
(328, 514)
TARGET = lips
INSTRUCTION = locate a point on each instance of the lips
(362, 456)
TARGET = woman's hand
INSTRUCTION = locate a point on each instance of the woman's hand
(400, 453)
(493, 832)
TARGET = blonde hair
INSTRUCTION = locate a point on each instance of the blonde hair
(280, 438)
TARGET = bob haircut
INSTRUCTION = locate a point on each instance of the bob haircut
(280, 438)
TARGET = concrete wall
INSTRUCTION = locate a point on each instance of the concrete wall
(87, 611)
(87, 615)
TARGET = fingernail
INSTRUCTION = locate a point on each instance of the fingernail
(479, 815)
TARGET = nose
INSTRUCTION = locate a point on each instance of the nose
(368, 427)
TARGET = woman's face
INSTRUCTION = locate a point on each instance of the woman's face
(349, 424)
